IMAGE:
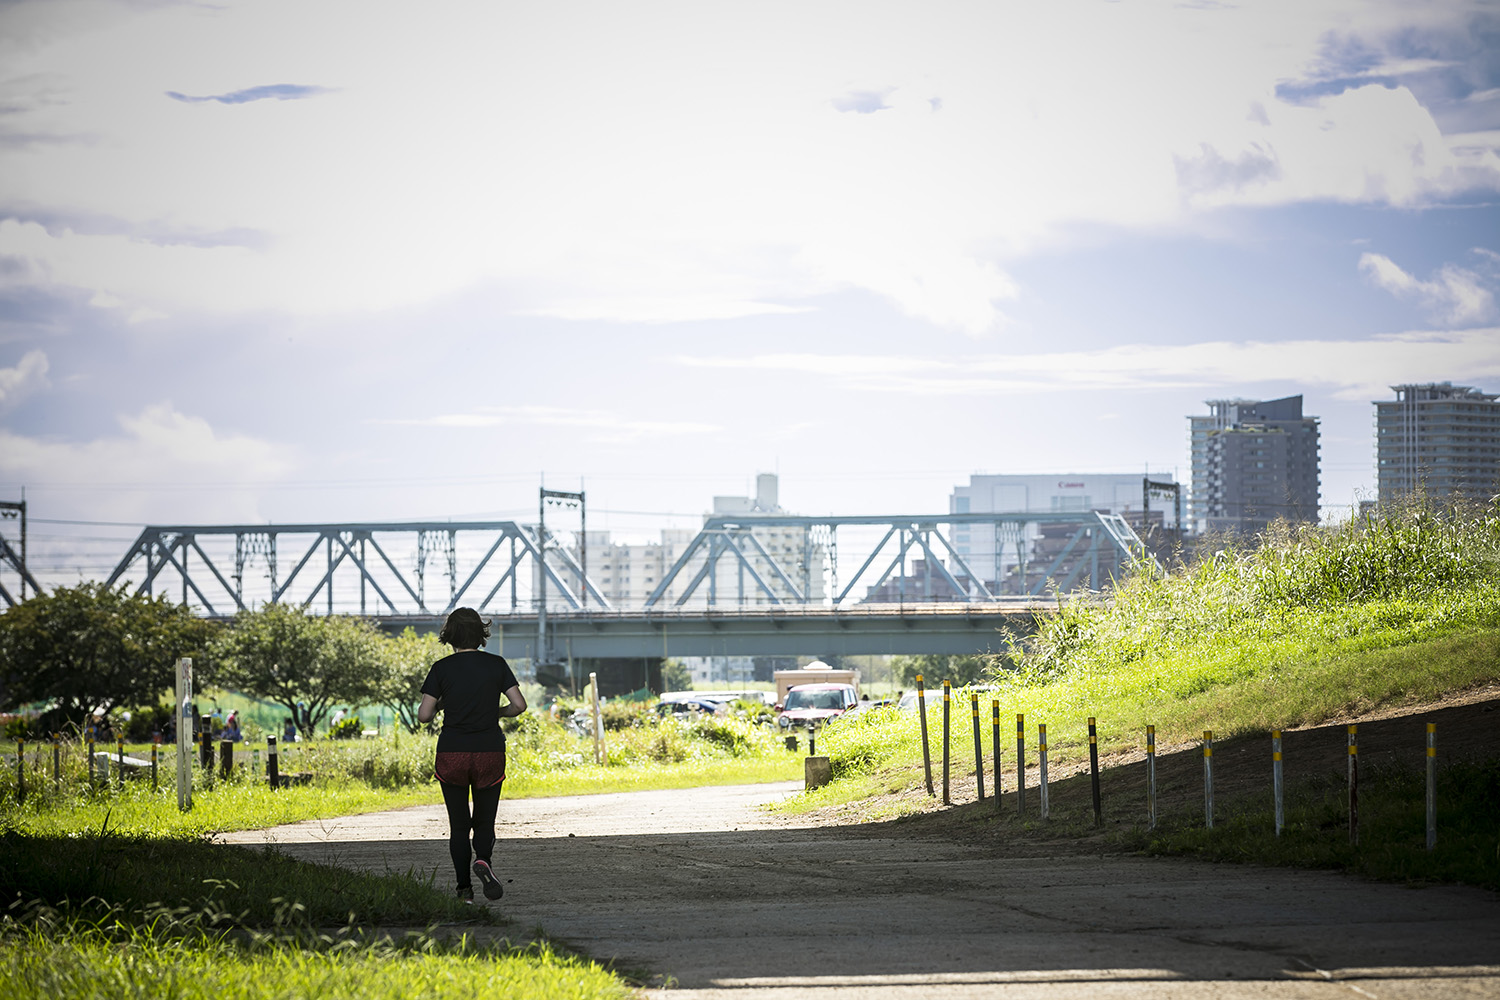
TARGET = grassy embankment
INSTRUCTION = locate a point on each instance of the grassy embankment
(1313, 625)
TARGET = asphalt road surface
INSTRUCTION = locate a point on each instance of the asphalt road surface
(712, 898)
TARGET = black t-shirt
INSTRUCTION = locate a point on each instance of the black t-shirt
(470, 685)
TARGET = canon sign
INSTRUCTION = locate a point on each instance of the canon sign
(1070, 486)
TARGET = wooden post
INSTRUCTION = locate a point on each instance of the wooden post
(184, 711)
(88, 746)
(20, 772)
(1041, 759)
(120, 761)
(1020, 764)
(273, 765)
(226, 759)
(978, 747)
(155, 749)
(1208, 777)
(599, 752)
(947, 700)
(1431, 785)
(926, 750)
(57, 760)
(205, 744)
(1094, 771)
(995, 725)
(1277, 788)
(1151, 777)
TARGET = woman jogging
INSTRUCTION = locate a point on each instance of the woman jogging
(466, 686)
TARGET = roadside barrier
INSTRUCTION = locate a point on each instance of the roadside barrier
(1276, 785)
(1041, 759)
(1208, 778)
(926, 750)
(1094, 771)
(995, 725)
(947, 699)
(1151, 777)
(1353, 785)
(978, 747)
(1020, 765)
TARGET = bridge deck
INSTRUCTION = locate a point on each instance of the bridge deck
(768, 631)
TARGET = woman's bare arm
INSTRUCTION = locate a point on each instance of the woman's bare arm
(427, 709)
(517, 703)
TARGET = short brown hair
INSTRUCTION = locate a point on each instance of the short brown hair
(464, 629)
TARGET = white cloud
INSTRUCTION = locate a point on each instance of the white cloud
(606, 426)
(656, 163)
(1454, 295)
(150, 470)
(1351, 369)
(28, 376)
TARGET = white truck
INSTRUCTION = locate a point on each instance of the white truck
(816, 672)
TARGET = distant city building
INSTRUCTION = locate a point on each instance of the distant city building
(627, 574)
(998, 558)
(1254, 461)
(1441, 438)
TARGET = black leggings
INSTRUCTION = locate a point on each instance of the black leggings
(486, 803)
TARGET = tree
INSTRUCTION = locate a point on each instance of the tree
(301, 662)
(408, 658)
(958, 670)
(95, 648)
(675, 676)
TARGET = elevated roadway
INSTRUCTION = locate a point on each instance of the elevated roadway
(929, 628)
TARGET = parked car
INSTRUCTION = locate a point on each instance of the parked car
(815, 704)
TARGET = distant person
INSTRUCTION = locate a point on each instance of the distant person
(467, 686)
(289, 731)
(232, 727)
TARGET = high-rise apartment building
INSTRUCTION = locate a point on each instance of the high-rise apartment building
(1438, 437)
(1254, 461)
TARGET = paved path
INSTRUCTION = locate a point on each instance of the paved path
(728, 902)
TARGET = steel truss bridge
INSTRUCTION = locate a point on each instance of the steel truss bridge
(744, 585)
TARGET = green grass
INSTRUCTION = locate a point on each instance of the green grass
(35, 966)
(104, 915)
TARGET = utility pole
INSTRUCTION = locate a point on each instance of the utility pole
(561, 499)
(11, 509)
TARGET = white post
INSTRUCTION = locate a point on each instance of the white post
(1276, 781)
(598, 719)
(184, 734)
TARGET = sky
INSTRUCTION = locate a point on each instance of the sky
(324, 261)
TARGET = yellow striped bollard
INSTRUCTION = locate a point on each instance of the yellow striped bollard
(978, 747)
(1277, 788)
(1020, 764)
(1151, 777)
(926, 750)
(947, 705)
(1354, 784)
(1094, 771)
(1208, 777)
(1041, 759)
(1431, 785)
(995, 725)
